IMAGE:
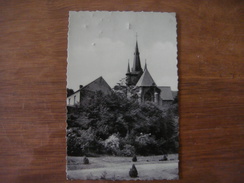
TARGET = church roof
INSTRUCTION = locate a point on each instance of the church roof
(166, 93)
(146, 79)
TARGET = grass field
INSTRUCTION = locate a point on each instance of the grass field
(117, 168)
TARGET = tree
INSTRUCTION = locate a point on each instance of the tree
(143, 129)
(69, 92)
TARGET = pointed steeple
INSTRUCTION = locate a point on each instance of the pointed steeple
(137, 50)
(128, 69)
(137, 63)
(145, 68)
(134, 74)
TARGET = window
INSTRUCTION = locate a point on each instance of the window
(74, 99)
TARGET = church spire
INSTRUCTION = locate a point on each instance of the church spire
(137, 63)
(134, 74)
(137, 50)
(128, 69)
(145, 68)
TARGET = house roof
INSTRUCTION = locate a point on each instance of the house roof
(98, 84)
(146, 79)
(174, 93)
(166, 93)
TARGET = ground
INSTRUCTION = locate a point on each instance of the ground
(117, 168)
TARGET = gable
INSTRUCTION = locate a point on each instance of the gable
(98, 85)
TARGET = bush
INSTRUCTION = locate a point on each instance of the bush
(112, 145)
(165, 158)
(128, 150)
(133, 172)
(134, 159)
(73, 144)
(86, 160)
(146, 145)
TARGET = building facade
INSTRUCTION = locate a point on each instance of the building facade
(85, 94)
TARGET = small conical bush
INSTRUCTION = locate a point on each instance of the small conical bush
(165, 158)
(86, 160)
(133, 172)
(134, 159)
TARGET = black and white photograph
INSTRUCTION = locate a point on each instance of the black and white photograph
(122, 96)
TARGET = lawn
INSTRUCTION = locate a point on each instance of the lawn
(117, 168)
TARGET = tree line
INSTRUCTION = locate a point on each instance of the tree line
(116, 125)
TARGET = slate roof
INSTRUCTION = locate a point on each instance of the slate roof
(174, 93)
(146, 79)
(166, 93)
(98, 84)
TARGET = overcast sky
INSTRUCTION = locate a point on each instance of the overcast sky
(101, 43)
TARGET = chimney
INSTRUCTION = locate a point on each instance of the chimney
(81, 86)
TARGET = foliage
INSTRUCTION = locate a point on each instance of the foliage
(116, 125)
(112, 144)
(69, 92)
(128, 150)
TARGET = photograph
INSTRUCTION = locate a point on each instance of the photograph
(122, 96)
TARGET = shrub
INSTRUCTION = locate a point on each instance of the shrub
(128, 150)
(146, 145)
(73, 144)
(86, 160)
(134, 159)
(112, 144)
(133, 172)
(165, 158)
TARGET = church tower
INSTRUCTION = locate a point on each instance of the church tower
(134, 75)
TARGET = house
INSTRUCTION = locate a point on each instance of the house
(84, 94)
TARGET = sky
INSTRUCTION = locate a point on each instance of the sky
(101, 43)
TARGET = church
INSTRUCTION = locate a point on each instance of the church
(144, 86)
